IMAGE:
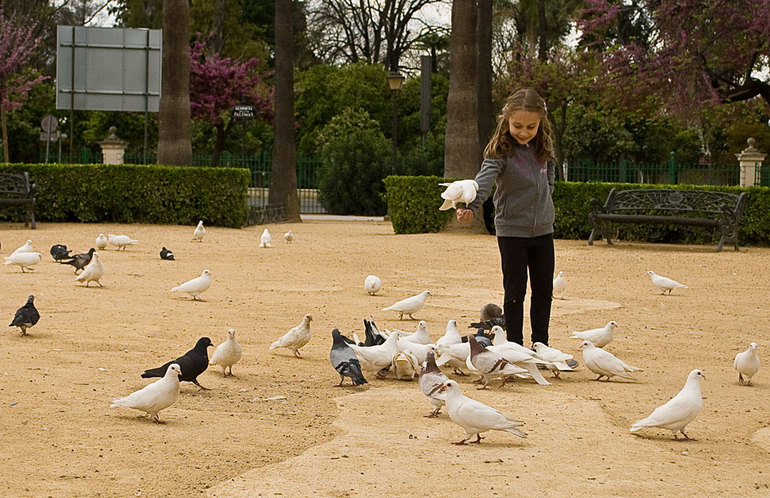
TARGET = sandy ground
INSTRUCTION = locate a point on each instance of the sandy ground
(60, 438)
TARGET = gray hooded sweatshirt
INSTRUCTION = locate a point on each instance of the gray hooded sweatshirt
(523, 203)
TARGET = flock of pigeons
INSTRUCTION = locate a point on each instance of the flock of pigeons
(407, 355)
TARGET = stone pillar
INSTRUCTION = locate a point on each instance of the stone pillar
(113, 148)
(750, 159)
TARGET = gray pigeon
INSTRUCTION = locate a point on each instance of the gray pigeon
(26, 316)
(344, 360)
(431, 381)
(166, 254)
(59, 252)
(80, 261)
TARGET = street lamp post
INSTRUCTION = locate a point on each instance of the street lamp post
(395, 80)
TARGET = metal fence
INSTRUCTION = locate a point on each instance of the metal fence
(666, 173)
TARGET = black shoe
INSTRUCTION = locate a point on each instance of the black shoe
(572, 363)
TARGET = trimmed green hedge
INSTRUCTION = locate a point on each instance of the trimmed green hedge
(135, 194)
(413, 203)
(413, 206)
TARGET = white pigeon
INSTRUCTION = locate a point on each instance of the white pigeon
(553, 356)
(101, 242)
(200, 232)
(288, 237)
(679, 410)
(227, 354)
(559, 285)
(451, 336)
(476, 417)
(121, 241)
(664, 283)
(599, 337)
(23, 259)
(405, 366)
(517, 355)
(605, 364)
(93, 271)
(297, 337)
(419, 351)
(154, 397)
(490, 364)
(454, 355)
(375, 358)
(264, 240)
(431, 381)
(747, 363)
(372, 284)
(409, 306)
(27, 247)
(419, 336)
(196, 286)
(458, 191)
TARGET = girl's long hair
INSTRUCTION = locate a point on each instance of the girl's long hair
(501, 144)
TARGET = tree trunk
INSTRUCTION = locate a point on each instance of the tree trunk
(542, 32)
(174, 139)
(461, 150)
(486, 113)
(283, 180)
(5, 134)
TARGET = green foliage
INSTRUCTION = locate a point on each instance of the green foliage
(355, 157)
(413, 203)
(136, 194)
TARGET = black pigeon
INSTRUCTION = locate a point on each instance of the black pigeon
(344, 360)
(26, 316)
(488, 324)
(80, 261)
(373, 336)
(193, 363)
(59, 252)
(481, 337)
(166, 254)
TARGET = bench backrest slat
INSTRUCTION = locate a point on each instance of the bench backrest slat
(674, 200)
(14, 184)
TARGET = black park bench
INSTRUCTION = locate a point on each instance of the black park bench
(702, 208)
(17, 190)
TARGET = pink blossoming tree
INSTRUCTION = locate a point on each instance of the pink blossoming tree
(219, 83)
(16, 47)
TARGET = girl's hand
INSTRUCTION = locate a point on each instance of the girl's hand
(464, 215)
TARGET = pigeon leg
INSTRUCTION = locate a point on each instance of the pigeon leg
(599, 377)
(463, 441)
(400, 315)
(748, 382)
(460, 372)
(740, 379)
(342, 379)
(156, 419)
(200, 386)
(686, 437)
(478, 439)
(100, 284)
(411, 317)
(296, 353)
(433, 414)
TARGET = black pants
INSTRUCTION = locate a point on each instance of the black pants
(518, 254)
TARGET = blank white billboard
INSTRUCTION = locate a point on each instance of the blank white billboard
(108, 69)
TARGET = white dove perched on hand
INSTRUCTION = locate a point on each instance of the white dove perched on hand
(458, 191)
(474, 416)
(431, 381)
(156, 396)
(265, 239)
(372, 284)
(599, 337)
(101, 242)
(200, 232)
(93, 271)
(559, 285)
(605, 364)
(27, 247)
(747, 363)
(227, 354)
(297, 337)
(121, 241)
(679, 410)
(23, 259)
(665, 283)
(409, 306)
(196, 286)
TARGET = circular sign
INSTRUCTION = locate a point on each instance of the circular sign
(49, 123)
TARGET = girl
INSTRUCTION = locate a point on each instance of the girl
(519, 158)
